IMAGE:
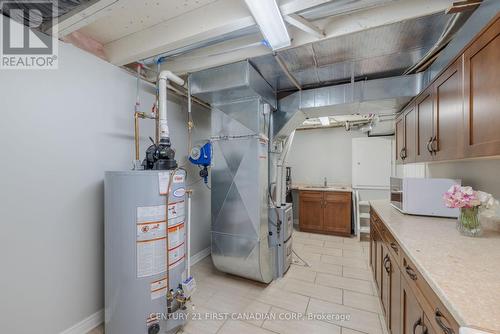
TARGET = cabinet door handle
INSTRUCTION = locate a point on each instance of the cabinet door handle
(416, 324)
(411, 272)
(429, 145)
(387, 264)
(403, 153)
(419, 323)
(434, 147)
(394, 247)
(439, 319)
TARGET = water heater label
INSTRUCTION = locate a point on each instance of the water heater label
(178, 178)
(176, 235)
(151, 244)
(163, 178)
(176, 210)
(159, 288)
(176, 256)
(179, 192)
(151, 213)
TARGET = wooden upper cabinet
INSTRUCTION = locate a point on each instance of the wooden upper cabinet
(448, 141)
(337, 213)
(482, 93)
(425, 127)
(410, 121)
(311, 210)
(400, 138)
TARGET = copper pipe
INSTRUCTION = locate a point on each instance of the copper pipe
(138, 115)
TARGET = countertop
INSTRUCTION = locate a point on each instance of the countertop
(463, 271)
(315, 187)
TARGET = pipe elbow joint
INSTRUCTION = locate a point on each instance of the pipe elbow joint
(169, 76)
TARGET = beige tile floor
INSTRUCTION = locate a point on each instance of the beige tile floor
(336, 282)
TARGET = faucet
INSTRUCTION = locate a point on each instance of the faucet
(325, 182)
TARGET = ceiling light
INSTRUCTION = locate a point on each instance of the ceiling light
(325, 121)
(268, 17)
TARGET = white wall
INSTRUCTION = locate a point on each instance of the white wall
(480, 174)
(59, 131)
(320, 153)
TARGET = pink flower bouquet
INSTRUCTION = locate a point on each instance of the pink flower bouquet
(466, 197)
(469, 202)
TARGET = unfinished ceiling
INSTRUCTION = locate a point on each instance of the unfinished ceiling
(374, 53)
(130, 16)
(129, 31)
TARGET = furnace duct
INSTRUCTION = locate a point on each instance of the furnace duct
(240, 123)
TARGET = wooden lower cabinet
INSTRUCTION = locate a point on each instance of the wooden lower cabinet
(391, 292)
(408, 303)
(326, 212)
(412, 313)
(311, 211)
(337, 213)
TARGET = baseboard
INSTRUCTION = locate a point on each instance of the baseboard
(87, 324)
(91, 322)
(200, 256)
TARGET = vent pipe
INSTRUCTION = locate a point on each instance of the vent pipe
(163, 79)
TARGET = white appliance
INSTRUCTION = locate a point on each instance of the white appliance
(421, 196)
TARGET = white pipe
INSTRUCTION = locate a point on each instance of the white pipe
(163, 79)
(188, 237)
(281, 165)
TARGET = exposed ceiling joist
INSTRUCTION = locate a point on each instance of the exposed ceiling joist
(304, 25)
(207, 22)
(82, 16)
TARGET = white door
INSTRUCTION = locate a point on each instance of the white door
(371, 162)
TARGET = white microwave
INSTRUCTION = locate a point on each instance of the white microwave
(420, 196)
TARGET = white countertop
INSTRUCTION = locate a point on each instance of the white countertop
(315, 187)
(463, 271)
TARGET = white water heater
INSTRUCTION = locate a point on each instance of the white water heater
(139, 270)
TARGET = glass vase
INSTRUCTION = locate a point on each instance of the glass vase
(468, 222)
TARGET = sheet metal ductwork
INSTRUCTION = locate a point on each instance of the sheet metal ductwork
(372, 96)
(240, 119)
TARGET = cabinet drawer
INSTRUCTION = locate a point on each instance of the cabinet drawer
(393, 246)
(440, 319)
(337, 196)
(375, 221)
